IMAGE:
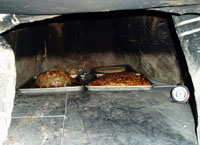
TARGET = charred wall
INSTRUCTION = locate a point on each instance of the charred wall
(88, 40)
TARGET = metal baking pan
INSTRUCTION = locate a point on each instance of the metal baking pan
(30, 87)
(49, 90)
(116, 88)
(119, 88)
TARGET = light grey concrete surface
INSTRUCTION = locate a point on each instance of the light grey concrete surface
(102, 118)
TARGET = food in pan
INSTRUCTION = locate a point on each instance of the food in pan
(110, 69)
(54, 78)
(120, 79)
(72, 70)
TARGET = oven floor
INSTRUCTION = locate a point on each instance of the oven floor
(101, 118)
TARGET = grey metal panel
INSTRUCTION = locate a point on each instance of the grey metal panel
(76, 6)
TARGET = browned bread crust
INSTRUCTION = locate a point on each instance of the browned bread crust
(120, 79)
(54, 78)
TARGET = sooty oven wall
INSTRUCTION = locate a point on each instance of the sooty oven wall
(142, 40)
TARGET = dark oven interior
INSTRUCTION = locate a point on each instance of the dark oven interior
(145, 40)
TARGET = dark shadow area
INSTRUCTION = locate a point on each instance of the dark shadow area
(120, 31)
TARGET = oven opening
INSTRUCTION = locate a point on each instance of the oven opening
(140, 42)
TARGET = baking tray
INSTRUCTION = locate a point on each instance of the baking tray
(116, 88)
(31, 88)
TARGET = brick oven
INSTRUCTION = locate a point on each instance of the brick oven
(158, 39)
